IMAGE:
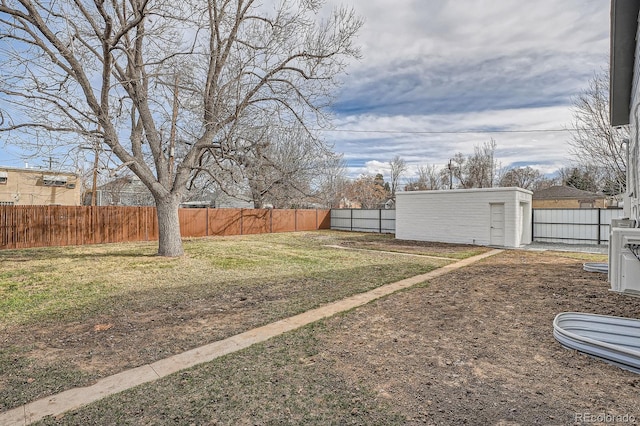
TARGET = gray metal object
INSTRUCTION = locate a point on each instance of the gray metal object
(623, 223)
(603, 268)
(615, 340)
(624, 25)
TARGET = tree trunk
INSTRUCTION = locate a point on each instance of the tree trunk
(258, 202)
(170, 242)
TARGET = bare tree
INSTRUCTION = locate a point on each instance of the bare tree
(281, 167)
(477, 170)
(521, 177)
(162, 84)
(482, 166)
(429, 178)
(367, 192)
(587, 178)
(332, 181)
(285, 173)
(594, 142)
(125, 191)
(544, 183)
(398, 168)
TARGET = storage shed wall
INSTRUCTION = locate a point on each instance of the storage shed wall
(464, 216)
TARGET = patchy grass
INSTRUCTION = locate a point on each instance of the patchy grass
(387, 242)
(586, 257)
(71, 315)
(283, 381)
(475, 346)
(76, 282)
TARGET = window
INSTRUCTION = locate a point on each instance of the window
(6, 203)
(3, 178)
(50, 180)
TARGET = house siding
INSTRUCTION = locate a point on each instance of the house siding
(568, 204)
(463, 216)
(632, 204)
(25, 187)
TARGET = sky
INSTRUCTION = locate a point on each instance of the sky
(433, 71)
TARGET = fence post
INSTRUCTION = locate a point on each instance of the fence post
(207, 217)
(533, 222)
(380, 221)
(295, 219)
(271, 221)
(351, 219)
(241, 221)
(599, 223)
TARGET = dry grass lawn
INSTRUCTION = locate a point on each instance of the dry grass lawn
(69, 316)
(474, 346)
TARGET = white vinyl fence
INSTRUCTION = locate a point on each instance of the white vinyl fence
(573, 226)
(568, 226)
(362, 220)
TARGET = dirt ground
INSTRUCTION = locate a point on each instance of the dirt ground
(41, 359)
(476, 347)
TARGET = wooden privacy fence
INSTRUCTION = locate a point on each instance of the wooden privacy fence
(44, 226)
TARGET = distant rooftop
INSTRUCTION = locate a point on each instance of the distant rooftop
(37, 170)
(564, 192)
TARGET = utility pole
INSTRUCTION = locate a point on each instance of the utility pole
(94, 187)
(96, 159)
(96, 147)
(172, 137)
(450, 175)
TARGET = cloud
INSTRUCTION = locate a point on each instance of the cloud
(366, 141)
(453, 66)
(477, 28)
(416, 86)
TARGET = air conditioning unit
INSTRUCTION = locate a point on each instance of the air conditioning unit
(624, 260)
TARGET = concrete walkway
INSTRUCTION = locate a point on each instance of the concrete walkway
(75, 398)
(576, 248)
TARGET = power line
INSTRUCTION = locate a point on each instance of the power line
(443, 132)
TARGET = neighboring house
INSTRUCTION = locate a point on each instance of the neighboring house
(122, 191)
(29, 187)
(130, 191)
(390, 204)
(566, 197)
(215, 199)
(224, 201)
(346, 203)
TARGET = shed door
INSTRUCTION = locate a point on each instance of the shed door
(497, 224)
